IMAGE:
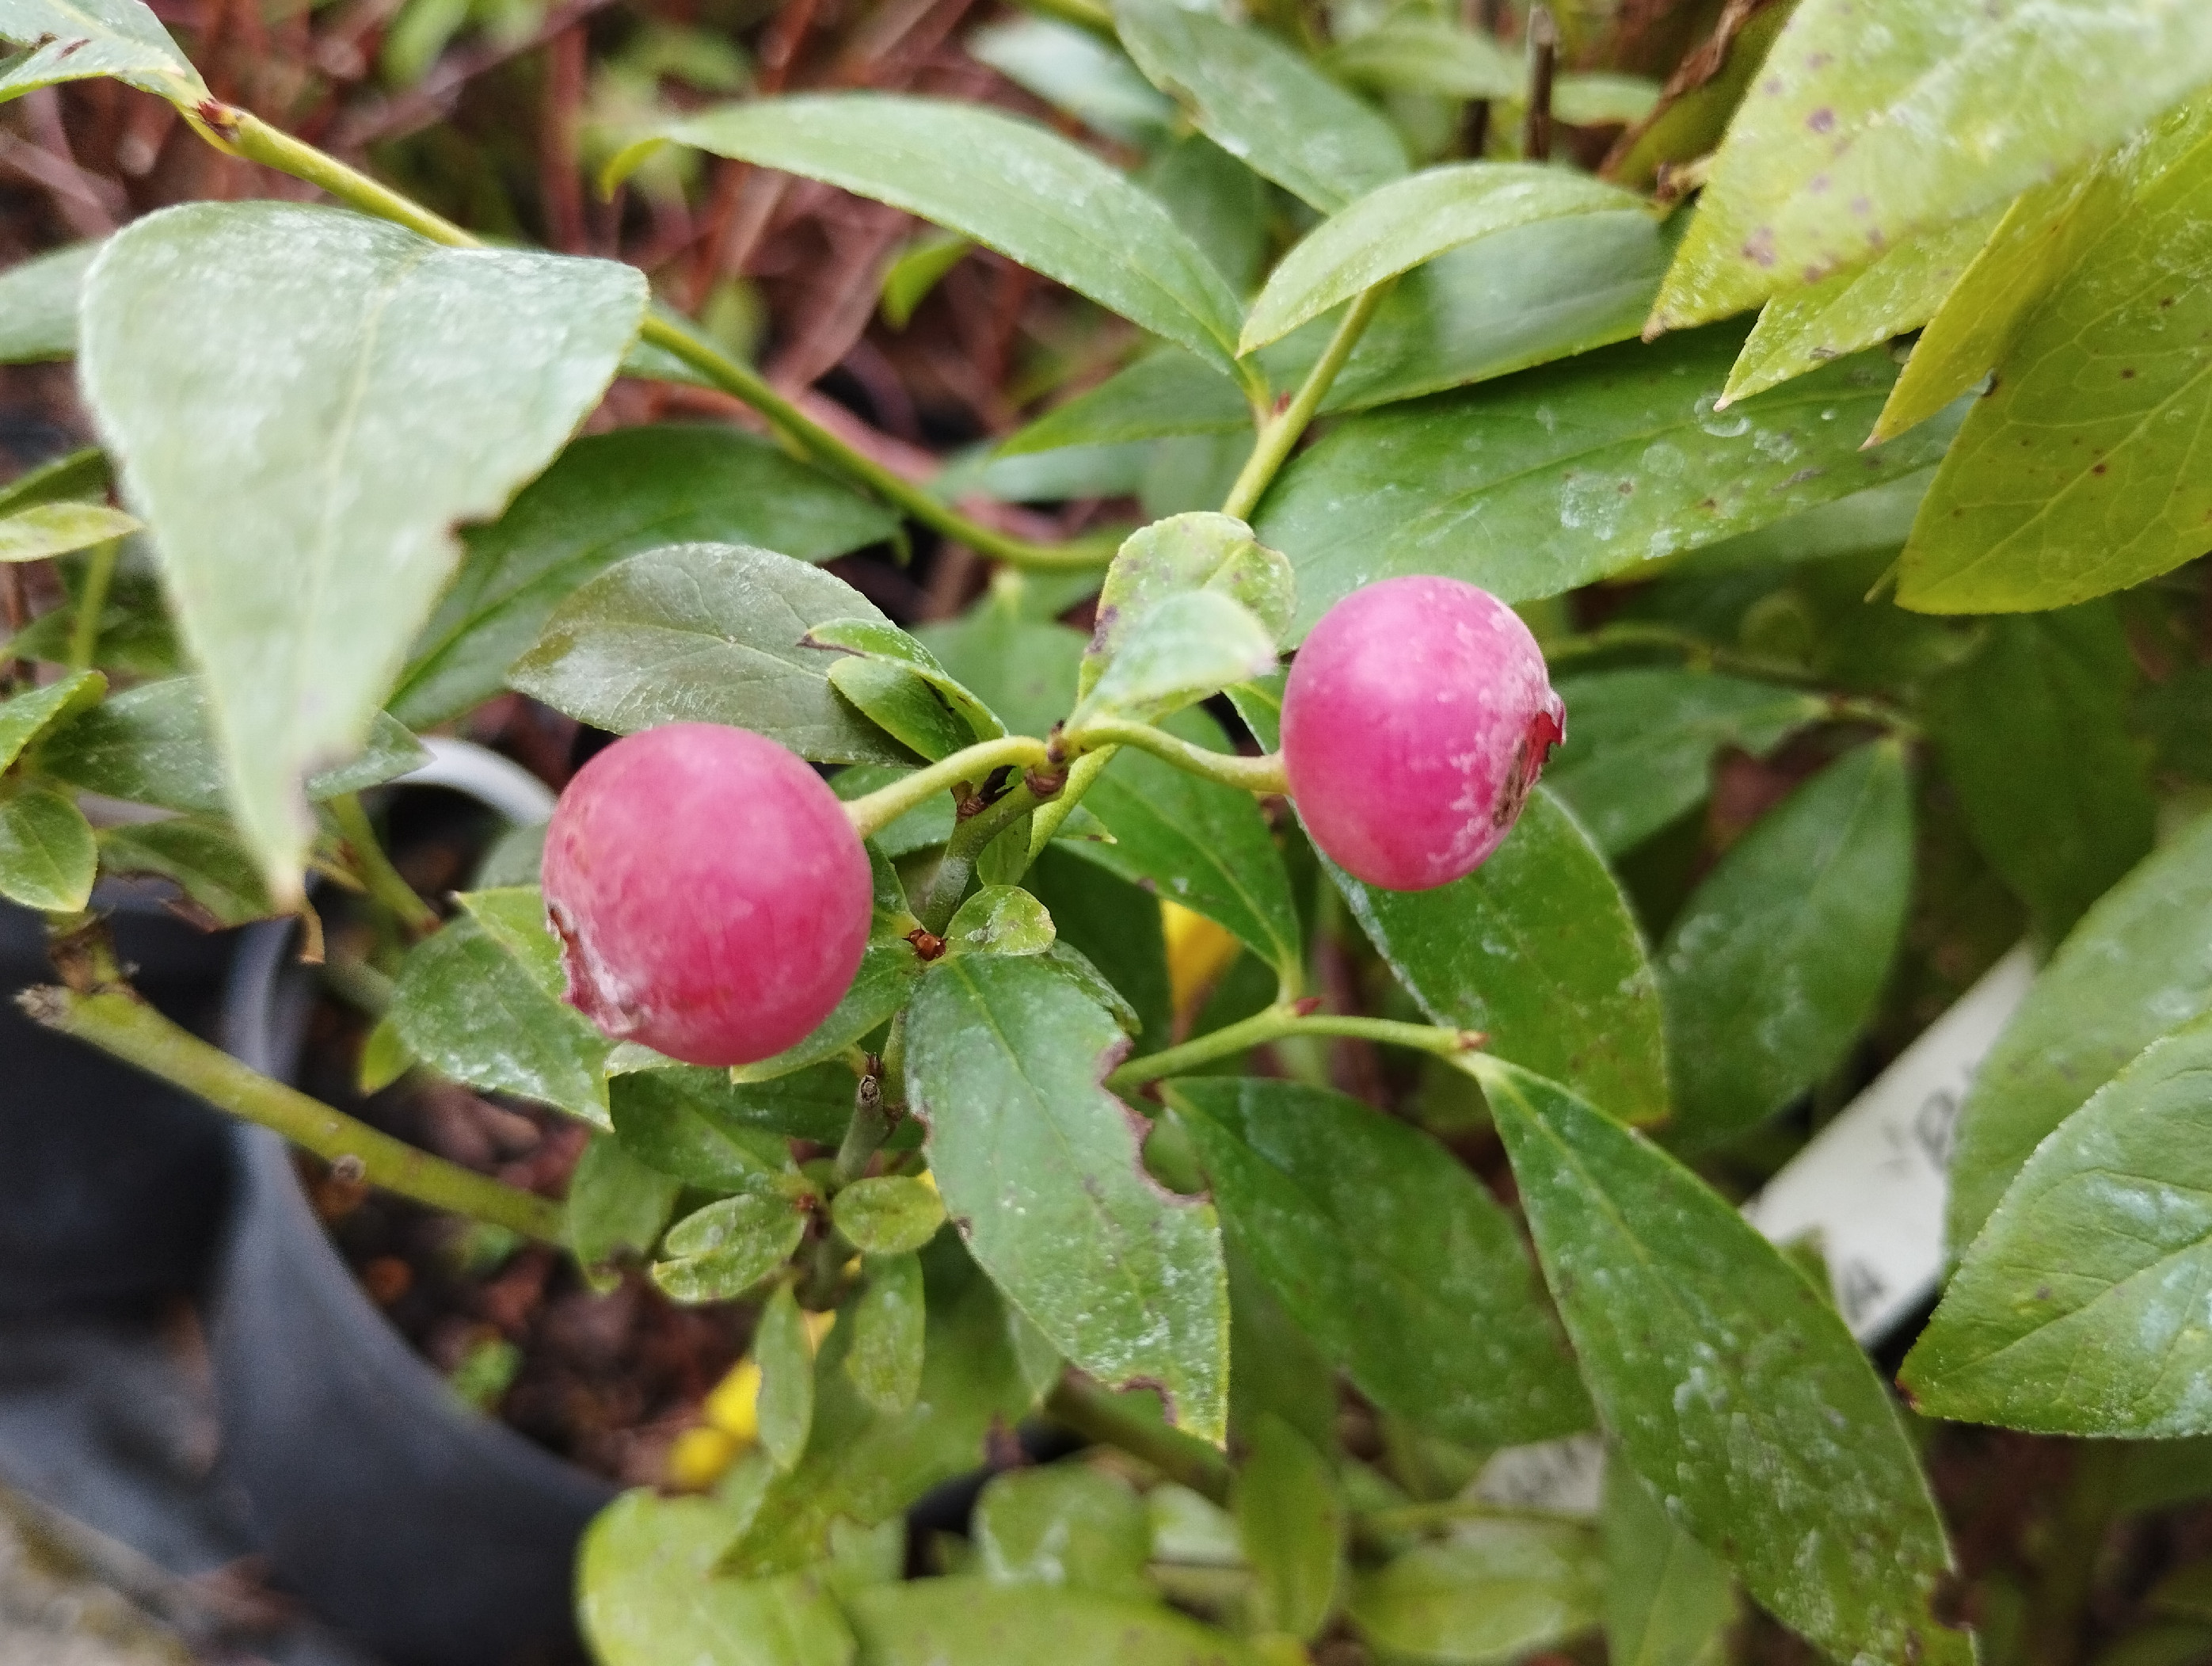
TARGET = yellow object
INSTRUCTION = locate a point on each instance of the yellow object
(818, 1325)
(700, 1458)
(1199, 952)
(734, 1406)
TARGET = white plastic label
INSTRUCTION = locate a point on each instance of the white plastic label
(1868, 1189)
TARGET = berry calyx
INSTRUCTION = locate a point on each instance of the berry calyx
(711, 898)
(1416, 718)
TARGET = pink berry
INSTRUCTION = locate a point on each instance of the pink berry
(1416, 717)
(711, 898)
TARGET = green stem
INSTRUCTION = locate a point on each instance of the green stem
(1709, 656)
(1277, 1024)
(948, 887)
(1080, 774)
(872, 813)
(1093, 1413)
(246, 135)
(383, 880)
(118, 1022)
(84, 629)
(869, 1126)
(1262, 775)
(745, 383)
(1281, 431)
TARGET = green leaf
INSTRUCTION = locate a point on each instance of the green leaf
(514, 917)
(26, 716)
(81, 477)
(1074, 70)
(876, 640)
(786, 1390)
(888, 1214)
(1590, 469)
(468, 1008)
(1115, 927)
(1537, 950)
(1023, 671)
(1260, 703)
(902, 704)
(889, 969)
(1415, 51)
(1389, 1254)
(2039, 239)
(1013, 187)
(1595, 99)
(203, 856)
(1176, 556)
(1196, 842)
(1496, 1591)
(1641, 744)
(1262, 103)
(77, 39)
(917, 270)
(1728, 1382)
(648, 1594)
(1292, 1521)
(48, 859)
(2034, 737)
(1039, 1166)
(1852, 142)
(698, 1126)
(1898, 291)
(1776, 963)
(972, 1622)
(615, 1208)
(999, 919)
(2074, 477)
(1409, 222)
(864, 1466)
(609, 496)
(886, 1322)
(1174, 653)
(1063, 1525)
(1669, 1600)
(302, 513)
(1222, 204)
(2138, 964)
(706, 633)
(154, 744)
(59, 529)
(38, 304)
(718, 1253)
(1162, 393)
(2078, 1309)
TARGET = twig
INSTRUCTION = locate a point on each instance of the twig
(1543, 66)
(1092, 1413)
(117, 1021)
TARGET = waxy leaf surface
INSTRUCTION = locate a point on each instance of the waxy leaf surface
(1262, 103)
(1388, 1254)
(1775, 964)
(1537, 950)
(706, 633)
(2139, 964)
(304, 402)
(2080, 1308)
(1729, 1383)
(1039, 1167)
(1856, 134)
(1009, 184)
(607, 496)
(1533, 486)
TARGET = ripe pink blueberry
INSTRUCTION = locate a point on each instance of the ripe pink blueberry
(1416, 717)
(711, 898)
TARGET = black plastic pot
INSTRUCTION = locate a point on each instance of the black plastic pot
(113, 1187)
(437, 1536)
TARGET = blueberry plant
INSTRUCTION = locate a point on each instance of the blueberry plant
(1875, 645)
